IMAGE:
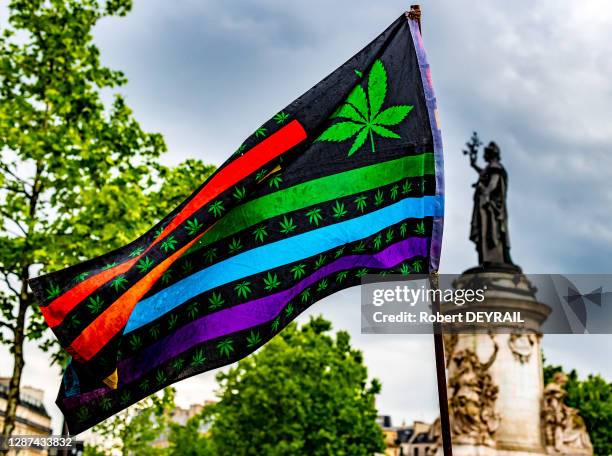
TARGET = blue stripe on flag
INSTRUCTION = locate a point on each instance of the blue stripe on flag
(278, 253)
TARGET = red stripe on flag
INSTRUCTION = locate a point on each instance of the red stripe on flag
(275, 145)
(55, 312)
(284, 139)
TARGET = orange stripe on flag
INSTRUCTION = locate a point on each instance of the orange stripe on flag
(95, 336)
(57, 310)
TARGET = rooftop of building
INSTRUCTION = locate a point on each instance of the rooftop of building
(30, 397)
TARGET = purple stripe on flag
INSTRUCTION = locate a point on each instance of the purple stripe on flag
(247, 315)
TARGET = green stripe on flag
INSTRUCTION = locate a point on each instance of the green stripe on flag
(316, 191)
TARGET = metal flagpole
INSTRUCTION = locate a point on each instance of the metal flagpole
(447, 446)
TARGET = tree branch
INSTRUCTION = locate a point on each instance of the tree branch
(21, 181)
(8, 284)
(16, 222)
(7, 326)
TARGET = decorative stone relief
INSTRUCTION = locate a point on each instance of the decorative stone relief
(564, 429)
(472, 398)
(521, 346)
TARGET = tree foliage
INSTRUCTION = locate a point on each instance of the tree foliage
(190, 439)
(305, 392)
(593, 399)
(78, 175)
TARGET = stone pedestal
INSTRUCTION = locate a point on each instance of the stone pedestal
(497, 400)
(510, 368)
(471, 450)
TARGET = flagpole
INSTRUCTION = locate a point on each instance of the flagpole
(447, 446)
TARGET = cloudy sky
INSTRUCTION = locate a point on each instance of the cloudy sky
(533, 76)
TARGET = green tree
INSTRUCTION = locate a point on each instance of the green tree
(593, 399)
(190, 439)
(305, 392)
(78, 176)
(134, 430)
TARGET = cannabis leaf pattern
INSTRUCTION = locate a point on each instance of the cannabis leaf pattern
(406, 187)
(235, 246)
(193, 226)
(360, 201)
(281, 117)
(136, 252)
(239, 193)
(417, 266)
(215, 301)
(260, 233)
(361, 272)
(105, 404)
(166, 276)
(289, 309)
(118, 283)
(314, 216)
(420, 229)
(243, 289)
(226, 347)
(198, 358)
(53, 291)
(364, 115)
(210, 255)
(339, 210)
(178, 363)
(322, 285)
(192, 310)
(80, 277)
(168, 244)
(160, 377)
(144, 264)
(216, 208)
(341, 276)
(253, 339)
(94, 304)
(287, 225)
(275, 181)
(135, 342)
(378, 198)
(271, 282)
(298, 271)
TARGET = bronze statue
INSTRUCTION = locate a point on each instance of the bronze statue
(489, 229)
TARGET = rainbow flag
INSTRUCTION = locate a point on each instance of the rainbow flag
(345, 181)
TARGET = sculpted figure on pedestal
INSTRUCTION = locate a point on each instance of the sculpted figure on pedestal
(521, 346)
(472, 398)
(565, 431)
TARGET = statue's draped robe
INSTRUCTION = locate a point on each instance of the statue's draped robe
(489, 229)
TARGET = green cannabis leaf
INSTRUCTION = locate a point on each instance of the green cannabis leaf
(364, 115)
